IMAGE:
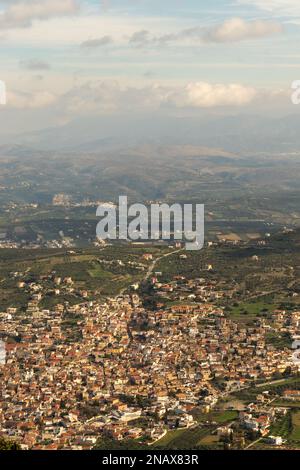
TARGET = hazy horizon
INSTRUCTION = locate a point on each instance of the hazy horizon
(73, 61)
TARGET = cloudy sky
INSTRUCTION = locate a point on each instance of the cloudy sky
(63, 59)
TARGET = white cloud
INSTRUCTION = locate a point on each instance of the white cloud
(122, 31)
(21, 100)
(232, 30)
(237, 29)
(21, 14)
(110, 97)
(207, 95)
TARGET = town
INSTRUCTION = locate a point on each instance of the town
(123, 370)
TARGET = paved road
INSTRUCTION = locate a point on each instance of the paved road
(273, 382)
(253, 443)
(154, 263)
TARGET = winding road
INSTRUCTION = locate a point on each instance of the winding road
(154, 263)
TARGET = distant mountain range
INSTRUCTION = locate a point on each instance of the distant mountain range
(237, 133)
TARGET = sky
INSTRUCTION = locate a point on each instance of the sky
(67, 59)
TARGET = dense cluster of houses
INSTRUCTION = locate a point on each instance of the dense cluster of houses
(131, 365)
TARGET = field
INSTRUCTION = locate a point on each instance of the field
(250, 288)
(101, 272)
(282, 427)
(183, 439)
(252, 309)
(220, 417)
(241, 202)
(225, 417)
(295, 434)
(199, 435)
(210, 440)
(288, 427)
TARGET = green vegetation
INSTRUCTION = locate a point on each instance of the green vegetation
(183, 439)
(219, 417)
(279, 386)
(278, 340)
(252, 308)
(288, 427)
(7, 444)
(137, 400)
(94, 270)
(108, 443)
(239, 199)
(226, 416)
(282, 426)
(166, 440)
(295, 434)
